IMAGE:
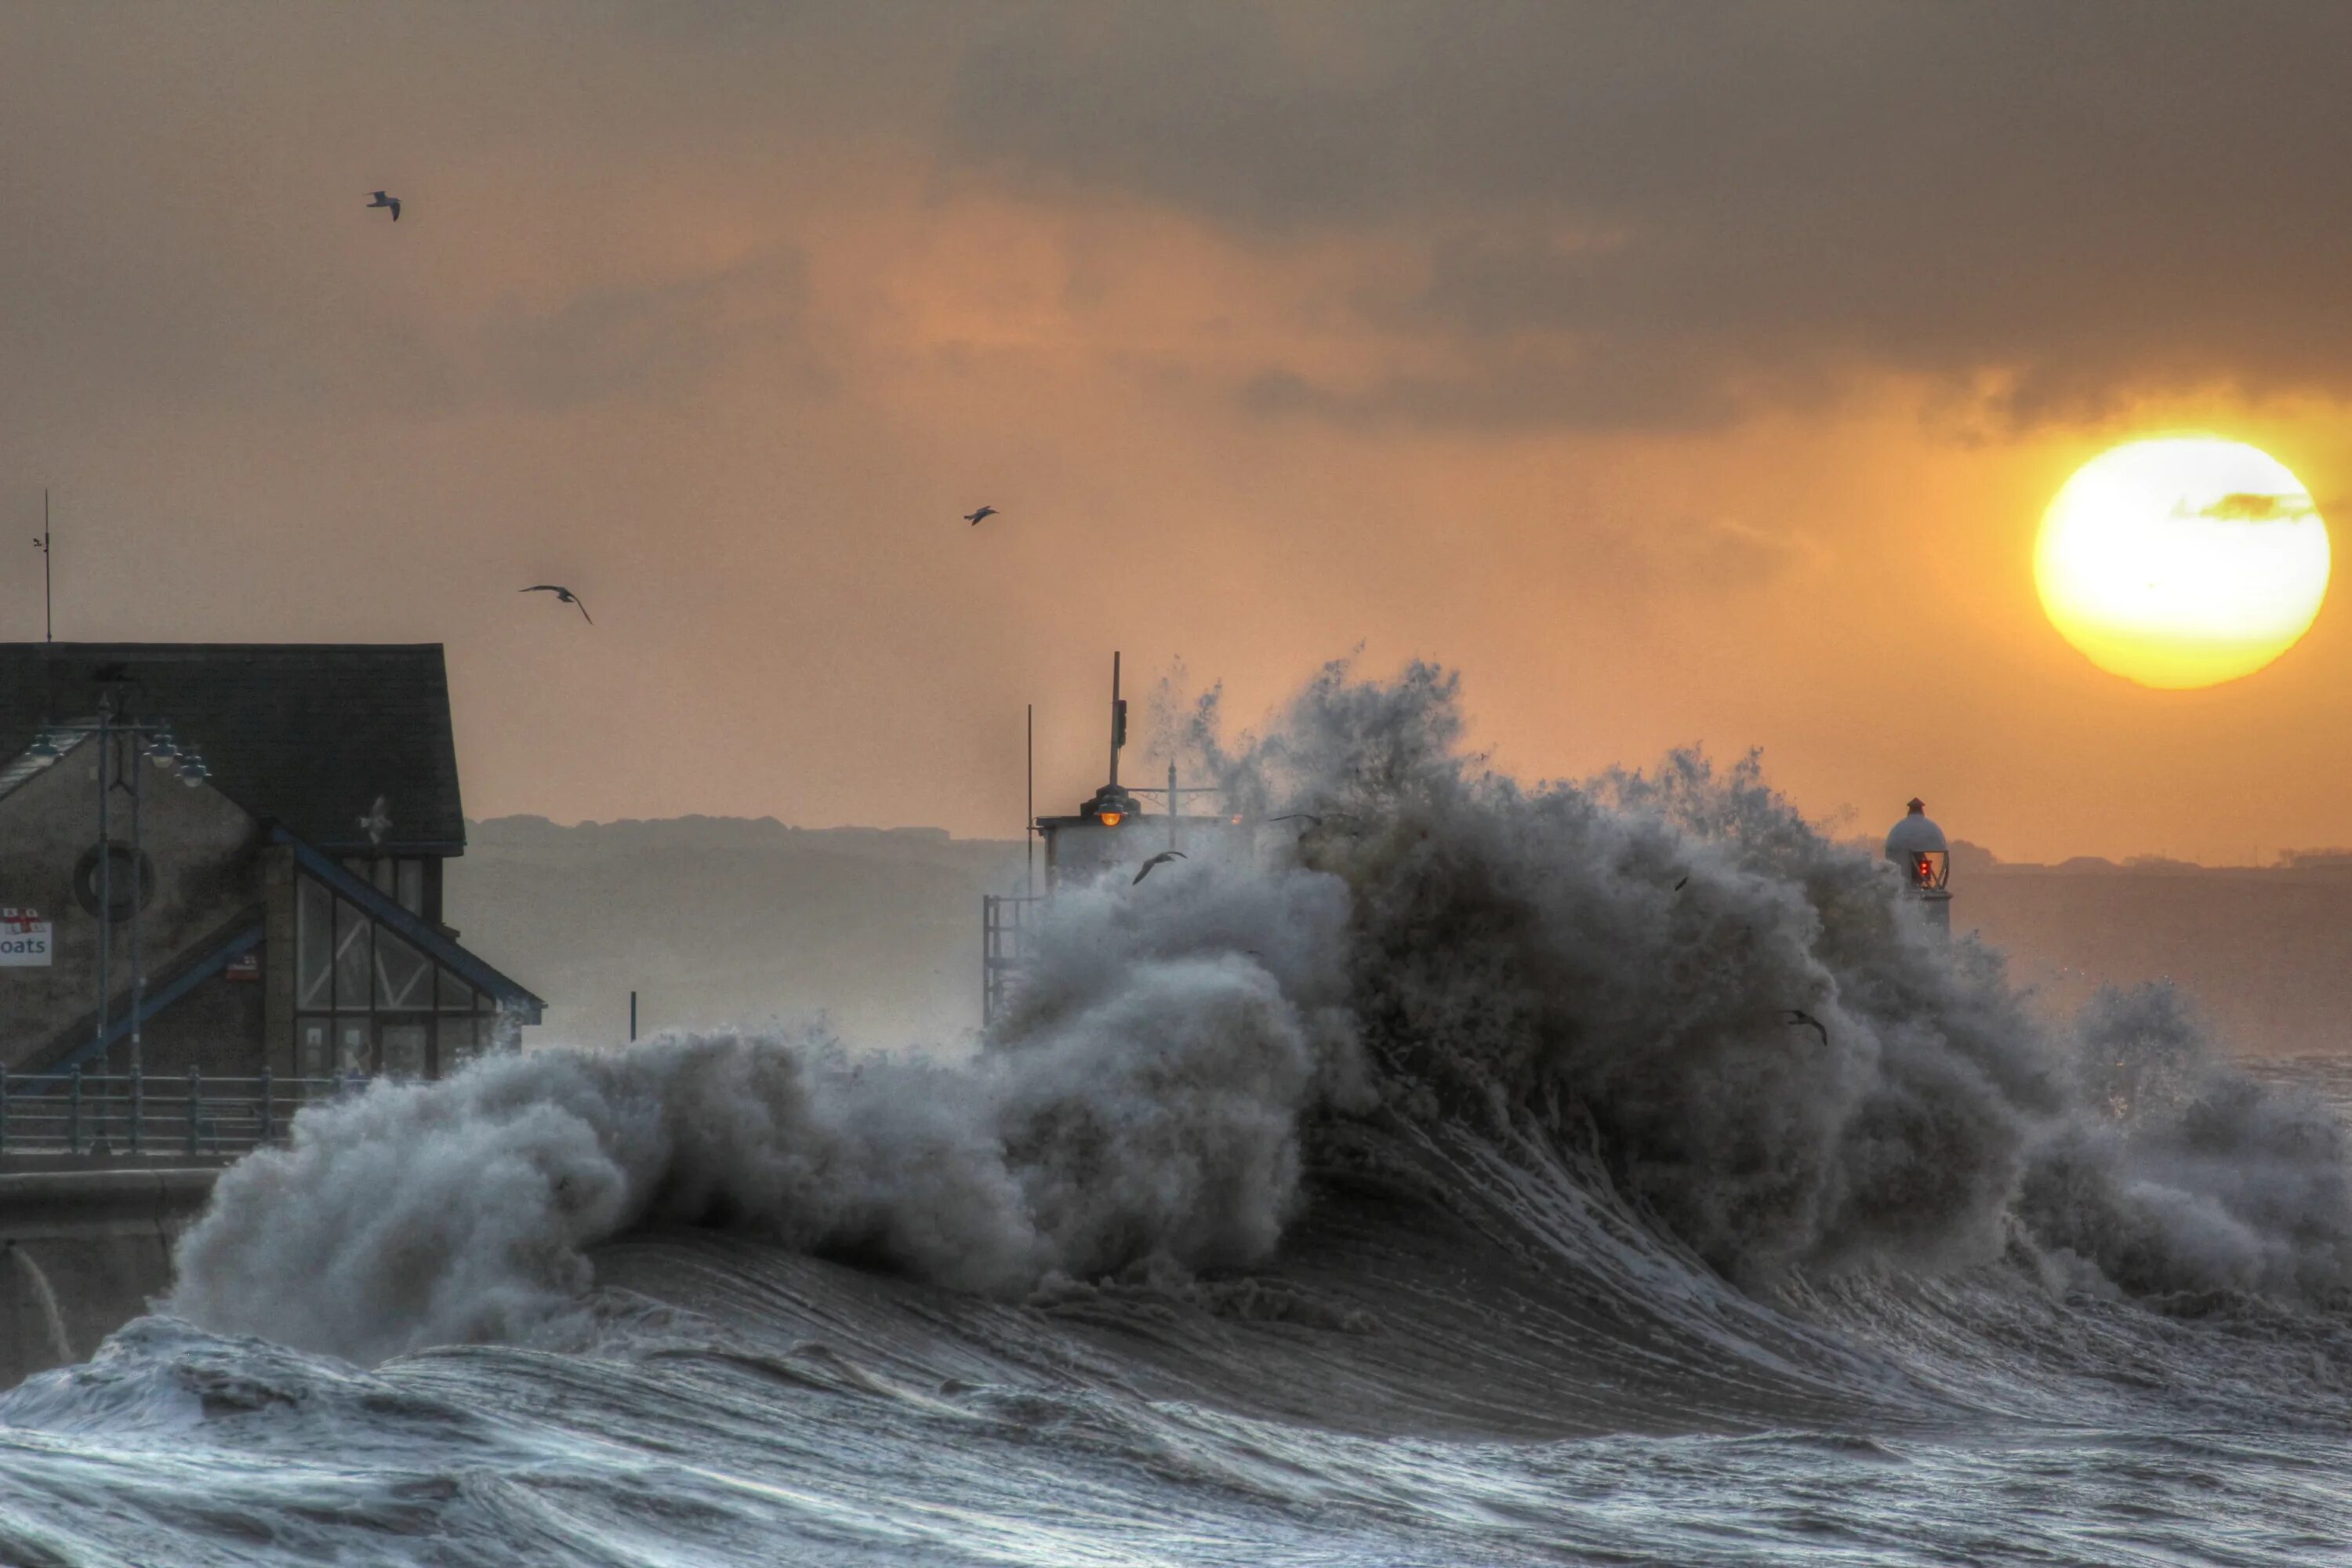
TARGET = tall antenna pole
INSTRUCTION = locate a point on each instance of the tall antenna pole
(1118, 720)
(1029, 822)
(48, 610)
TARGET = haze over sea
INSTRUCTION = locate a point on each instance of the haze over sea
(1446, 1183)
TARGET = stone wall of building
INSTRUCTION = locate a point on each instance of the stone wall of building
(205, 851)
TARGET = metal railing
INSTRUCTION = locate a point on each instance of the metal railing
(1008, 931)
(139, 1117)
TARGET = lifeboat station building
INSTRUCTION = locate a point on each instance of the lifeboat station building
(227, 857)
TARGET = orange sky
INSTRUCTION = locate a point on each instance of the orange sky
(1678, 374)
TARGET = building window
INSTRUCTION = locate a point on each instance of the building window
(352, 1056)
(354, 979)
(310, 1047)
(403, 1055)
(404, 976)
(314, 942)
(461, 1040)
(388, 1009)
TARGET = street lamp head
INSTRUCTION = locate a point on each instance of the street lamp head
(43, 750)
(192, 770)
(160, 749)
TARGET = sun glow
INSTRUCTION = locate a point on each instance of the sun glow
(2183, 561)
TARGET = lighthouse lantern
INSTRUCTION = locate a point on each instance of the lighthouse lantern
(1917, 849)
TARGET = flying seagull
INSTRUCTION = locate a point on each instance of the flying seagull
(564, 595)
(385, 201)
(973, 517)
(1159, 859)
(375, 824)
(1298, 816)
(1797, 1018)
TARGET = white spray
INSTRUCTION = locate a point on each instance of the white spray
(1438, 941)
(46, 1299)
(1145, 1108)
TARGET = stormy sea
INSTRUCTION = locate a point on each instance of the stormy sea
(1473, 1172)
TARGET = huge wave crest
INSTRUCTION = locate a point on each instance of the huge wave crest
(1744, 1027)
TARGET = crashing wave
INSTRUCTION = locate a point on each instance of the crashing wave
(1743, 1026)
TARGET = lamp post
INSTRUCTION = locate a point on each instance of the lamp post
(153, 740)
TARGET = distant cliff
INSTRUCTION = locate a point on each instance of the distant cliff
(722, 919)
(2267, 950)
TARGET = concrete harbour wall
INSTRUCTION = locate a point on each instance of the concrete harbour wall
(82, 1252)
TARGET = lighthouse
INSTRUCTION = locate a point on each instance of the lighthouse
(1916, 847)
(1107, 841)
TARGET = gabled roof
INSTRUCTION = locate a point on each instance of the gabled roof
(308, 734)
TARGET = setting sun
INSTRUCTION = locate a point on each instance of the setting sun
(2183, 561)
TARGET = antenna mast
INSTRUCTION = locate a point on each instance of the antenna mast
(48, 610)
(1118, 720)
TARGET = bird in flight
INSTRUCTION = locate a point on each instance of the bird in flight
(1159, 859)
(1797, 1018)
(564, 595)
(375, 824)
(973, 517)
(1298, 816)
(385, 201)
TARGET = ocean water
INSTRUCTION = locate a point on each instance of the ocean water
(1450, 1184)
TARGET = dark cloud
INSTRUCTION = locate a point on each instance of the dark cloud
(2259, 509)
(1713, 205)
(184, 197)
(1566, 214)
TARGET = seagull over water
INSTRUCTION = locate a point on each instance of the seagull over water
(385, 201)
(973, 517)
(1159, 859)
(564, 595)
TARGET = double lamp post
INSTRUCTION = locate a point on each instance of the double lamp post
(121, 741)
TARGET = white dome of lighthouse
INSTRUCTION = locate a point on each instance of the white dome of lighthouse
(1915, 846)
(1915, 835)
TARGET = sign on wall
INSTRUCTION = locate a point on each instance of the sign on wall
(24, 939)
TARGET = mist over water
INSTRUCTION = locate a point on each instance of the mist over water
(1466, 1111)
